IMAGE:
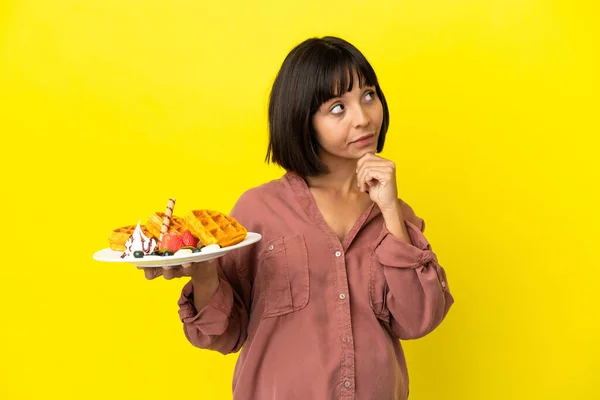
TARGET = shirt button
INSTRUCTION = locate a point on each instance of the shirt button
(346, 384)
(342, 296)
(337, 253)
(271, 247)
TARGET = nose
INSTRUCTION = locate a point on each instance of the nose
(361, 116)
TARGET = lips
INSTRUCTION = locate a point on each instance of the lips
(364, 137)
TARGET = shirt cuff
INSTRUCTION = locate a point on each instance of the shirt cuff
(393, 252)
(214, 317)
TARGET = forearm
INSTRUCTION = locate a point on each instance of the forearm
(205, 282)
(394, 222)
(221, 322)
(418, 297)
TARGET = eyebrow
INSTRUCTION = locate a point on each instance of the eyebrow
(364, 88)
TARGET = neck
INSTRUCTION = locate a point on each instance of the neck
(341, 178)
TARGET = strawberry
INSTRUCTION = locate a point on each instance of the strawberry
(172, 242)
(188, 239)
(165, 242)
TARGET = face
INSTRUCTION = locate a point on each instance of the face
(348, 126)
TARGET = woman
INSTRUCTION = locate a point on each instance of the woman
(343, 270)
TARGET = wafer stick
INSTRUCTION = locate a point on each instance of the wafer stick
(166, 221)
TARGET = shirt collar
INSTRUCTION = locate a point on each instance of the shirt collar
(305, 197)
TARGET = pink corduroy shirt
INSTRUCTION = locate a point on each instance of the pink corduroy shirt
(315, 318)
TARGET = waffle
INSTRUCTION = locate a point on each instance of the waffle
(213, 227)
(119, 236)
(155, 223)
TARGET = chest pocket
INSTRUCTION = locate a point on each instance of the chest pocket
(283, 271)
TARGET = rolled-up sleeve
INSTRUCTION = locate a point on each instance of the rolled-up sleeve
(213, 319)
(418, 297)
(221, 324)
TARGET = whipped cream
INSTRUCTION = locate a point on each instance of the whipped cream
(138, 241)
(210, 247)
(183, 251)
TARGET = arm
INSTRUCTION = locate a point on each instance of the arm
(418, 298)
(214, 305)
(214, 311)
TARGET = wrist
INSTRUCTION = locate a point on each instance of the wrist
(391, 211)
(205, 274)
(394, 222)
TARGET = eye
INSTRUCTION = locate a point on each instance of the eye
(370, 95)
(337, 109)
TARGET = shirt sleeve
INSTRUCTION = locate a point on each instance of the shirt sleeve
(418, 296)
(222, 324)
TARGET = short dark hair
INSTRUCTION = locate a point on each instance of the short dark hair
(315, 71)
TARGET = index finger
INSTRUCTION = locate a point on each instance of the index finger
(361, 160)
(151, 273)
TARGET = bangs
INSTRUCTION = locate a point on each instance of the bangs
(335, 76)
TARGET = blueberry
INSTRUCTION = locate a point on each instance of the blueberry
(156, 253)
(168, 253)
(138, 254)
(196, 250)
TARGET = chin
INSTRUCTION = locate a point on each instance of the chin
(368, 149)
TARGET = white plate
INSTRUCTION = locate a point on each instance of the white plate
(108, 255)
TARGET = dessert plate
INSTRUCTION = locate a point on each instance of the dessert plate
(108, 255)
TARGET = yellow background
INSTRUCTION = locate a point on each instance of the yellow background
(108, 108)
